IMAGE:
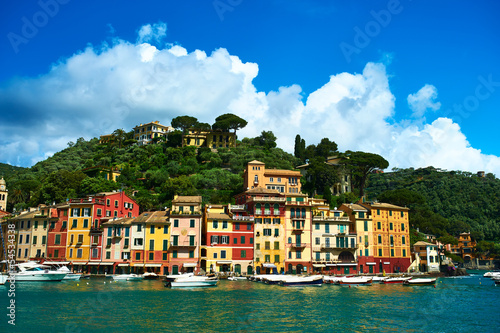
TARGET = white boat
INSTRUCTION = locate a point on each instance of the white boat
(492, 274)
(356, 280)
(379, 279)
(127, 277)
(420, 282)
(301, 281)
(150, 276)
(396, 280)
(3, 278)
(32, 271)
(69, 274)
(236, 278)
(193, 281)
(170, 278)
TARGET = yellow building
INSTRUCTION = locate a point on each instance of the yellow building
(44, 219)
(23, 224)
(298, 234)
(157, 236)
(218, 230)
(210, 139)
(106, 138)
(3, 195)
(145, 133)
(284, 181)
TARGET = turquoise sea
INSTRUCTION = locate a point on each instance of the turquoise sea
(464, 304)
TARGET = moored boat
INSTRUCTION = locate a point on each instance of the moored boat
(170, 278)
(127, 277)
(236, 278)
(396, 280)
(150, 276)
(193, 281)
(69, 274)
(492, 274)
(35, 272)
(300, 281)
(3, 279)
(357, 280)
(331, 279)
(420, 282)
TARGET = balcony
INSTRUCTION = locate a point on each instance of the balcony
(297, 245)
(332, 219)
(335, 247)
(297, 228)
(267, 199)
(237, 207)
(184, 244)
(95, 229)
(243, 218)
(298, 203)
(117, 236)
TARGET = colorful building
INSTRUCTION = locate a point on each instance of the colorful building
(44, 219)
(185, 234)
(284, 181)
(116, 237)
(211, 139)
(363, 228)
(298, 234)
(156, 242)
(427, 257)
(57, 234)
(334, 241)
(84, 246)
(218, 230)
(4, 193)
(23, 224)
(465, 247)
(145, 133)
(243, 239)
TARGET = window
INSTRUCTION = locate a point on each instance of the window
(191, 240)
(379, 239)
(242, 239)
(44, 240)
(403, 240)
(378, 211)
(366, 225)
(151, 245)
(402, 227)
(327, 228)
(392, 240)
(267, 245)
(276, 258)
(86, 212)
(223, 254)
(99, 211)
(151, 255)
(152, 229)
(361, 215)
(257, 246)
(380, 252)
(70, 253)
(75, 212)
(165, 229)
(27, 239)
(75, 222)
(71, 238)
(176, 223)
(316, 226)
(276, 232)
(79, 253)
(251, 240)
(214, 240)
(379, 226)
(125, 244)
(249, 226)
(392, 252)
(235, 240)
(52, 225)
(290, 255)
(268, 258)
(316, 241)
(138, 242)
(243, 253)
(267, 232)
(391, 226)
(20, 240)
(85, 223)
(164, 256)
(80, 238)
(236, 226)
(367, 252)
(298, 255)
(95, 253)
(224, 224)
(127, 231)
(57, 240)
(224, 239)
(138, 256)
(404, 253)
(34, 240)
(215, 224)
(64, 225)
(174, 254)
(35, 224)
(56, 253)
(116, 203)
(318, 256)
(390, 213)
(192, 223)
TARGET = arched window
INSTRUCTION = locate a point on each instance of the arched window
(276, 209)
(292, 212)
(267, 209)
(258, 208)
(303, 212)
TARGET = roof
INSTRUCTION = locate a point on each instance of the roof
(27, 215)
(386, 205)
(261, 190)
(282, 172)
(187, 199)
(218, 216)
(160, 216)
(119, 221)
(422, 243)
(256, 162)
(355, 207)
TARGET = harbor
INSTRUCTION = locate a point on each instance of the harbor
(100, 305)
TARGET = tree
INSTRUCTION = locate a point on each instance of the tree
(326, 148)
(266, 140)
(319, 176)
(229, 121)
(448, 239)
(402, 197)
(300, 148)
(183, 122)
(362, 164)
(119, 136)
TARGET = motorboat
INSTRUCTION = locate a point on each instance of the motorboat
(331, 279)
(170, 278)
(420, 282)
(193, 281)
(32, 271)
(379, 279)
(396, 280)
(356, 280)
(69, 274)
(150, 276)
(492, 274)
(302, 281)
(236, 278)
(3, 278)
(127, 277)
(274, 279)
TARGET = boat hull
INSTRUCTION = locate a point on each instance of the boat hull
(314, 283)
(3, 279)
(39, 277)
(192, 284)
(420, 282)
(396, 280)
(127, 277)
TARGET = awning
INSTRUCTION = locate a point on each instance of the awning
(318, 265)
(346, 264)
(190, 264)
(371, 263)
(330, 265)
(224, 261)
(55, 262)
(94, 263)
(123, 265)
(269, 265)
(138, 265)
(107, 263)
(152, 265)
(79, 263)
(387, 263)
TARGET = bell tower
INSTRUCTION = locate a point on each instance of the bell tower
(3, 194)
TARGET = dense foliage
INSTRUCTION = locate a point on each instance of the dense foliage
(443, 202)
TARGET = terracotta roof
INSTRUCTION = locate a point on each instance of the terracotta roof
(159, 216)
(218, 216)
(187, 199)
(355, 207)
(256, 162)
(282, 172)
(261, 190)
(27, 215)
(119, 221)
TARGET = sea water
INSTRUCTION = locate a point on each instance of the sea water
(462, 304)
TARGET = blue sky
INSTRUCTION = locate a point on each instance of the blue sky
(415, 81)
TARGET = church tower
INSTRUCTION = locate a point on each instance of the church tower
(3, 195)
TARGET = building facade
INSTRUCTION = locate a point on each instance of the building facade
(146, 133)
(427, 257)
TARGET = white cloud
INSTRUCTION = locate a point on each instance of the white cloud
(423, 100)
(97, 91)
(152, 33)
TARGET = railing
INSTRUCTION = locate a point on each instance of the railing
(237, 207)
(335, 247)
(184, 244)
(297, 245)
(297, 217)
(243, 218)
(270, 199)
(175, 212)
(298, 203)
(95, 229)
(331, 218)
(87, 201)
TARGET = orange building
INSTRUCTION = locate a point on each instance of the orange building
(284, 181)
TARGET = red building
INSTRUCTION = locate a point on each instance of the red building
(58, 233)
